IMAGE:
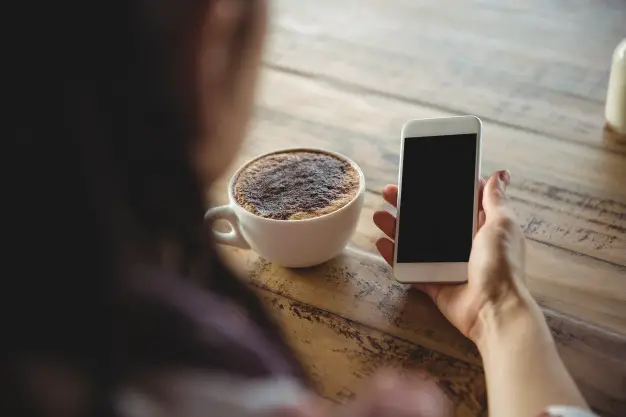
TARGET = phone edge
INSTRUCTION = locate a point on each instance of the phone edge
(477, 175)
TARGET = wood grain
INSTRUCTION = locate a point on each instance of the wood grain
(541, 66)
(345, 76)
(581, 187)
(569, 198)
(341, 355)
(585, 288)
(358, 288)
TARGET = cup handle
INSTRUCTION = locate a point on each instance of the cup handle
(232, 238)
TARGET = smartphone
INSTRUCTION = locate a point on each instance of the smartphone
(438, 186)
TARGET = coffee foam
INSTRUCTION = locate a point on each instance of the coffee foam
(296, 185)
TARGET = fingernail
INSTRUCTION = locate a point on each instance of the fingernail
(505, 177)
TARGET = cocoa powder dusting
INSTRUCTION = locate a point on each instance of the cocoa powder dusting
(296, 185)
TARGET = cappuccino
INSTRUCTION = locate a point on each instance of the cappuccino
(296, 185)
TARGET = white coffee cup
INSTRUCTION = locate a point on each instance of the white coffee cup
(290, 243)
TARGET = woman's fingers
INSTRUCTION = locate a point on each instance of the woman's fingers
(385, 247)
(393, 395)
(431, 290)
(481, 210)
(386, 222)
(481, 188)
(390, 194)
(481, 219)
(495, 192)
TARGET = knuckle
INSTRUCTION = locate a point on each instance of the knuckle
(499, 193)
(506, 228)
(506, 223)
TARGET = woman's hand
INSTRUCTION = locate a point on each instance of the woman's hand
(388, 394)
(496, 265)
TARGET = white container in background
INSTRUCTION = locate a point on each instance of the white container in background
(616, 95)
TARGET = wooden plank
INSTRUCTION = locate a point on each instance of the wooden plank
(346, 75)
(590, 290)
(341, 354)
(573, 212)
(544, 30)
(539, 67)
(568, 197)
(358, 288)
(371, 125)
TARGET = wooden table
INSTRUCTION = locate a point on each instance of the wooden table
(345, 75)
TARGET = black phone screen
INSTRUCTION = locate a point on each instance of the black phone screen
(436, 211)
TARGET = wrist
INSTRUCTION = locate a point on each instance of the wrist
(515, 316)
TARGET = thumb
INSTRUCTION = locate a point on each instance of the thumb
(495, 192)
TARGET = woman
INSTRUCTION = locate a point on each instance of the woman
(123, 114)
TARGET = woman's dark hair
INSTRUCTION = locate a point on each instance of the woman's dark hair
(104, 117)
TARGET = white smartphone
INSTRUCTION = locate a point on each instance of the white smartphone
(438, 188)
